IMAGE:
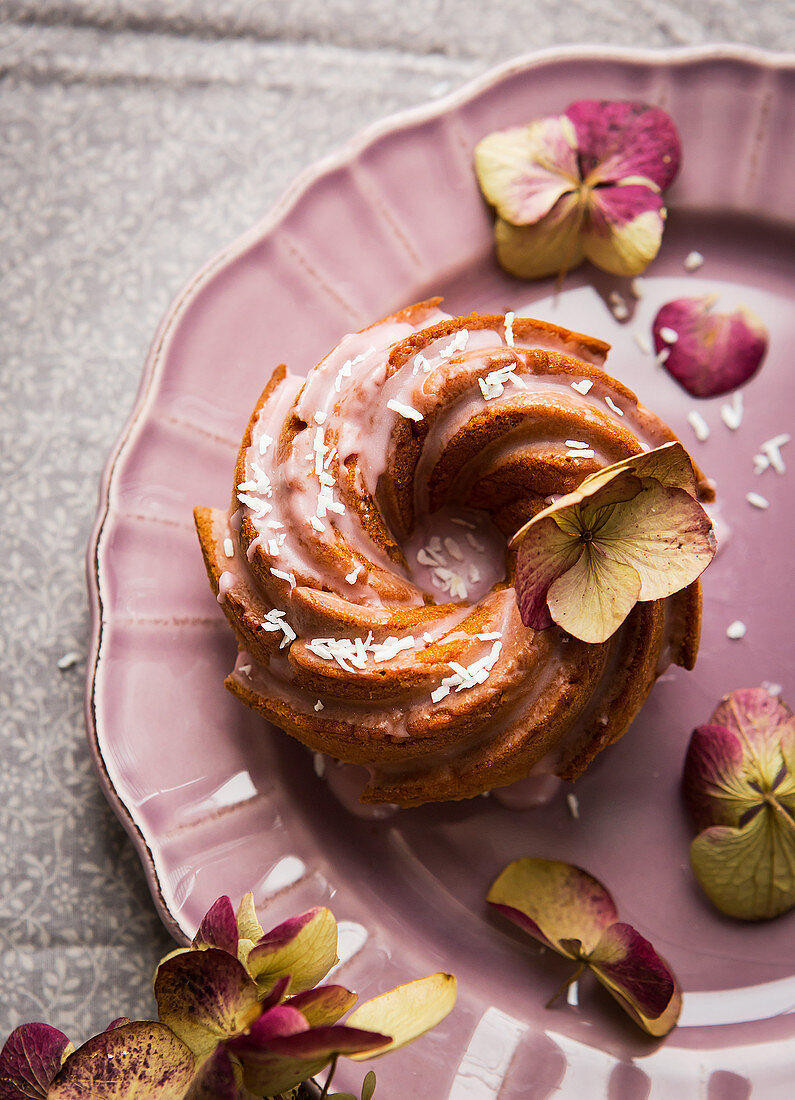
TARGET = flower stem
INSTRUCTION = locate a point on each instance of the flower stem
(324, 1093)
(569, 981)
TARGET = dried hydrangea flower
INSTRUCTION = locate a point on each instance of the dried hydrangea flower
(256, 994)
(708, 353)
(632, 532)
(240, 1015)
(739, 785)
(583, 185)
(568, 910)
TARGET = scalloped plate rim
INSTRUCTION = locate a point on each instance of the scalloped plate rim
(773, 61)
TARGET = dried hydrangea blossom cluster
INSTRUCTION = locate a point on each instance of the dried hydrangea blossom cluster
(739, 786)
(241, 1015)
(634, 531)
(586, 184)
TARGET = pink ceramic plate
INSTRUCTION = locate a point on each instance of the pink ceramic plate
(217, 803)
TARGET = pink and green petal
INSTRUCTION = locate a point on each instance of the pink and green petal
(138, 1061)
(642, 983)
(555, 902)
(594, 597)
(669, 464)
(219, 928)
(277, 1022)
(765, 726)
(617, 139)
(282, 1062)
(713, 352)
(217, 1078)
(663, 534)
(624, 228)
(206, 997)
(406, 1012)
(323, 1005)
(552, 246)
(30, 1060)
(749, 873)
(715, 788)
(545, 554)
(525, 170)
(305, 947)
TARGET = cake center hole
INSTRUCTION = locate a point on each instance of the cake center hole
(456, 555)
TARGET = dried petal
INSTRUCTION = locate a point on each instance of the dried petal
(551, 247)
(545, 554)
(643, 984)
(618, 139)
(216, 1078)
(664, 534)
(715, 788)
(624, 230)
(554, 902)
(713, 352)
(30, 1059)
(765, 726)
(592, 600)
(219, 928)
(670, 464)
(248, 925)
(139, 1061)
(324, 1005)
(525, 170)
(205, 997)
(749, 872)
(408, 1011)
(305, 947)
(275, 1063)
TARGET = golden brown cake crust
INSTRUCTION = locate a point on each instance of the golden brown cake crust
(343, 646)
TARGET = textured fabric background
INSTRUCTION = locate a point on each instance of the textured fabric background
(136, 138)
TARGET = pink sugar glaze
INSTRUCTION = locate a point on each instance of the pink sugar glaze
(527, 794)
(347, 781)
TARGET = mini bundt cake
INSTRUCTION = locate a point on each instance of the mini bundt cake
(364, 566)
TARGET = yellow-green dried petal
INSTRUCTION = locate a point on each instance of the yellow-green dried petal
(749, 872)
(592, 600)
(407, 1012)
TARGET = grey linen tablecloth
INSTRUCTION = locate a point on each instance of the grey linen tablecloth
(137, 139)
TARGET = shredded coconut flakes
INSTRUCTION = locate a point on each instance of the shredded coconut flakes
(406, 411)
(693, 261)
(643, 342)
(583, 386)
(289, 577)
(699, 425)
(732, 412)
(467, 677)
(276, 620)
